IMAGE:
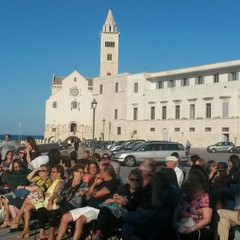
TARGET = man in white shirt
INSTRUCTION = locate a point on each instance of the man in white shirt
(7, 145)
(172, 162)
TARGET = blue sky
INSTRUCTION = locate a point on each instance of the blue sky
(39, 38)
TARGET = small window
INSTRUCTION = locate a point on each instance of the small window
(192, 111)
(225, 129)
(164, 112)
(177, 129)
(115, 113)
(110, 44)
(216, 78)
(109, 57)
(109, 74)
(160, 85)
(135, 87)
(54, 104)
(177, 111)
(199, 80)
(152, 114)
(74, 105)
(208, 129)
(191, 129)
(225, 109)
(134, 131)
(116, 87)
(152, 129)
(135, 113)
(208, 110)
(54, 129)
(185, 82)
(171, 84)
(119, 130)
(101, 89)
(233, 76)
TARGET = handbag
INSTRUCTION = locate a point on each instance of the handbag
(36, 197)
(116, 209)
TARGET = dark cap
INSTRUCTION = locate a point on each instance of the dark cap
(222, 166)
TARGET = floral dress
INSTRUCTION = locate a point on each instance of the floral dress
(193, 206)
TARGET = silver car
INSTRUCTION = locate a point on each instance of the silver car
(222, 147)
(156, 150)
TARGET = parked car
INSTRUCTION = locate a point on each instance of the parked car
(108, 144)
(116, 146)
(124, 144)
(222, 147)
(156, 150)
(127, 147)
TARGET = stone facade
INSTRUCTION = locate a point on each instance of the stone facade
(200, 104)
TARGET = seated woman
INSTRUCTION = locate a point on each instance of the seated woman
(72, 193)
(40, 182)
(50, 209)
(17, 176)
(31, 149)
(103, 188)
(194, 213)
(6, 164)
(93, 170)
(154, 212)
(211, 169)
(128, 196)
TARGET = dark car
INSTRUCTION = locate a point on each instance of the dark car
(222, 147)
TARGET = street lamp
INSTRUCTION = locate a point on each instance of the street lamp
(94, 106)
(103, 122)
(19, 131)
(82, 131)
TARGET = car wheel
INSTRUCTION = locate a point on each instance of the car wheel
(130, 161)
(213, 150)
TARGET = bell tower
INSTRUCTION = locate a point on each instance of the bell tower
(109, 47)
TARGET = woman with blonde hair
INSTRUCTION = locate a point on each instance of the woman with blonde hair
(40, 182)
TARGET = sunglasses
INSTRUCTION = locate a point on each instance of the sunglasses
(134, 179)
(42, 170)
(79, 172)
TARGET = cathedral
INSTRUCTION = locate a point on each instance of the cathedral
(200, 103)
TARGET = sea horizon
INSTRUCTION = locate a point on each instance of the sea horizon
(17, 137)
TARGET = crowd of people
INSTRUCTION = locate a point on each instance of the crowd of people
(75, 193)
